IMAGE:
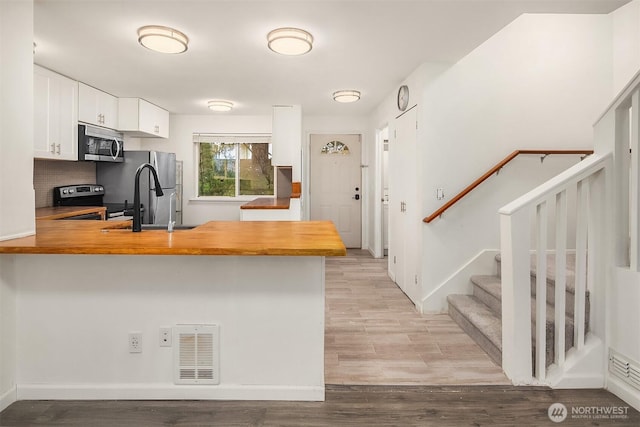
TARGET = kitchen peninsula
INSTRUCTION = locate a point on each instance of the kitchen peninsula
(83, 287)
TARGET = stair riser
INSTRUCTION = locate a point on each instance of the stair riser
(570, 298)
(551, 293)
(492, 351)
(494, 304)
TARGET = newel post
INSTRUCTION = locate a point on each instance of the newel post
(515, 241)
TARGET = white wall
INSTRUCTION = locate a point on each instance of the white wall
(384, 116)
(182, 128)
(17, 214)
(626, 44)
(539, 83)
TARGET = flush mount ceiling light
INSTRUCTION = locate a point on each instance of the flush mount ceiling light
(345, 96)
(162, 39)
(220, 105)
(290, 41)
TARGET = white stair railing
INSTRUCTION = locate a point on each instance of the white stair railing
(525, 225)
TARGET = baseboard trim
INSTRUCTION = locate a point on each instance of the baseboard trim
(460, 281)
(7, 398)
(18, 235)
(623, 391)
(167, 392)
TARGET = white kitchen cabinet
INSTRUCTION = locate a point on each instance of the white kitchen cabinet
(286, 136)
(142, 119)
(55, 115)
(97, 107)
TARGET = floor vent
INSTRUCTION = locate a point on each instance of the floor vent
(625, 368)
(197, 354)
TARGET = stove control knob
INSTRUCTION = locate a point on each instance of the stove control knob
(65, 191)
(71, 191)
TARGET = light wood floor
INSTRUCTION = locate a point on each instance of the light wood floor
(374, 335)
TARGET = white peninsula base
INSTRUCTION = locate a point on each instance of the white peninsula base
(74, 314)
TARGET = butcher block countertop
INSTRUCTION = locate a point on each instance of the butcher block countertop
(288, 238)
(267, 203)
(62, 212)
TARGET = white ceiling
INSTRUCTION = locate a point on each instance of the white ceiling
(369, 46)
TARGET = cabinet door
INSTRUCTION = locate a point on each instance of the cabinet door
(108, 107)
(153, 120)
(88, 105)
(42, 147)
(66, 115)
(97, 107)
(55, 116)
(286, 135)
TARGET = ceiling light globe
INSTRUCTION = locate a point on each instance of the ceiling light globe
(220, 105)
(346, 96)
(162, 39)
(290, 41)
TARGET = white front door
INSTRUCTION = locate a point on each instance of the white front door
(335, 186)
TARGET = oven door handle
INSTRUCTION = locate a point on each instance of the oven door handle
(115, 156)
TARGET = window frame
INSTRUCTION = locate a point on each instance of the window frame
(236, 139)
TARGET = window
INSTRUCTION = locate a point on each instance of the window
(234, 165)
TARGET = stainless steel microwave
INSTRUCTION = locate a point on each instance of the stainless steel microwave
(99, 144)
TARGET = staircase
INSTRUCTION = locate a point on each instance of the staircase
(479, 315)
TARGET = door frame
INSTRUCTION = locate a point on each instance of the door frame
(306, 161)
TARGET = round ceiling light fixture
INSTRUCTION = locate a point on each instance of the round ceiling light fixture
(290, 41)
(162, 39)
(346, 96)
(220, 105)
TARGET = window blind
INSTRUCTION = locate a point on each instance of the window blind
(232, 138)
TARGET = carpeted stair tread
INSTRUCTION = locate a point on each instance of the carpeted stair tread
(480, 316)
(551, 269)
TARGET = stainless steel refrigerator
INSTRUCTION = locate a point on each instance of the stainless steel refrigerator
(118, 182)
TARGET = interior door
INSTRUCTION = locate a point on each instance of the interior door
(404, 206)
(335, 186)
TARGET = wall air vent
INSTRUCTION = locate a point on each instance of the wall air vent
(196, 354)
(625, 368)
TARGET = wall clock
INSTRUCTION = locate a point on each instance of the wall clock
(403, 97)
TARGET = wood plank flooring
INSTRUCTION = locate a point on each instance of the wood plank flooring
(374, 335)
(369, 406)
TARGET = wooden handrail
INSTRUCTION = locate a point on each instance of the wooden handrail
(493, 170)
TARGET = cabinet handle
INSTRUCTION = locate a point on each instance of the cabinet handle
(58, 149)
(53, 148)
(157, 129)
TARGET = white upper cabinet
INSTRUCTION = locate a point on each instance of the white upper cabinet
(140, 118)
(97, 107)
(286, 136)
(55, 115)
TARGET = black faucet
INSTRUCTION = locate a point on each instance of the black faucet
(137, 215)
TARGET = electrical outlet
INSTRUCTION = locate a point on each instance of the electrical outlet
(165, 337)
(135, 342)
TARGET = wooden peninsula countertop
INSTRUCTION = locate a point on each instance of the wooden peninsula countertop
(267, 203)
(287, 238)
(62, 212)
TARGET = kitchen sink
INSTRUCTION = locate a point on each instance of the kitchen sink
(160, 227)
